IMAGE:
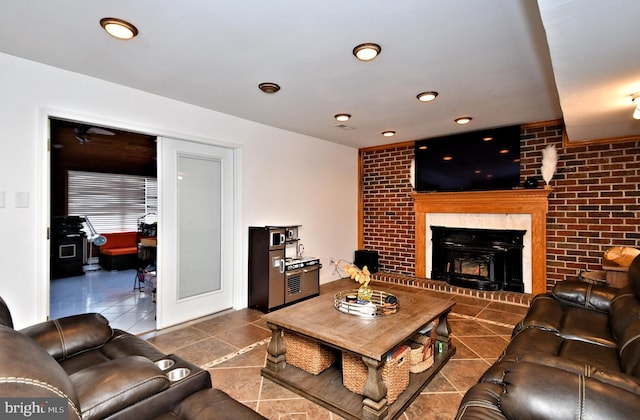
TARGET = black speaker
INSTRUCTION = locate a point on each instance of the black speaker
(368, 258)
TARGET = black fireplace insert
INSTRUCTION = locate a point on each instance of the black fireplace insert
(484, 259)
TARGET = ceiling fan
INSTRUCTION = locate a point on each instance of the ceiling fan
(84, 132)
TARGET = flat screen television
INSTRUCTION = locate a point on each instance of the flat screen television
(476, 161)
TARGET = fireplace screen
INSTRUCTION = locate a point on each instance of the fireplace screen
(471, 266)
(485, 259)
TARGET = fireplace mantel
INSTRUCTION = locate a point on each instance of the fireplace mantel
(533, 202)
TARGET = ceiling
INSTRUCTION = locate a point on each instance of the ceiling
(83, 148)
(502, 62)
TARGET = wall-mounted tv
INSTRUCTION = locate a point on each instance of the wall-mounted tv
(475, 161)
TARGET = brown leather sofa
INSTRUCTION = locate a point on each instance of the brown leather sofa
(97, 372)
(575, 355)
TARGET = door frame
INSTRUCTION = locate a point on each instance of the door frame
(43, 201)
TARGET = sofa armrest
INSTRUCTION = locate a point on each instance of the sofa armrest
(64, 337)
(111, 386)
(536, 391)
(584, 295)
(481, 402)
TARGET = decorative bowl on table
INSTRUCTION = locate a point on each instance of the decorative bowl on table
(380, 304)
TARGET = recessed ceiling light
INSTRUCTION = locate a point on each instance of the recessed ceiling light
(488, 138)
(269, 87)
(447, 158)
(367, 51)
(389, 133)
(118, 28)
(504, 151)
(427, 96)
(463, 120)
(342, 117)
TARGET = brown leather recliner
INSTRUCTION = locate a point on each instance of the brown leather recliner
(575, 354)
(103, 373)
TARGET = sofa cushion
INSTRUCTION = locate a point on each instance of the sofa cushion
(588, 326)
(584, 295)
(120, 240)
(535, 391)
(591, 354)
(109, 387)
(538, 343)
(64, 337)
(120, 251)
(122, 344)
(569, 322)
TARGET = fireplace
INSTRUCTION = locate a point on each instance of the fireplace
(531, 203)
(485, 259)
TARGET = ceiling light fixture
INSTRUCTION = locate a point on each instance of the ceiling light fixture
(367, 51)
(389, 133)
(118, 28)
(269, 87)
(342, 117)
(427, 96)
(463, 120)
(636, 112)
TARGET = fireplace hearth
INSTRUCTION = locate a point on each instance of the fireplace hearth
(484, 259)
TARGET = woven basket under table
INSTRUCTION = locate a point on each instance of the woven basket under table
(307, 354)
(395, 373)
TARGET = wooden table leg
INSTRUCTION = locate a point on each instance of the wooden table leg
(375, 391)
(443, 332)
(276, 349)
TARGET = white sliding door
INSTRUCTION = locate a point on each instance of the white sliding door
(195, 242)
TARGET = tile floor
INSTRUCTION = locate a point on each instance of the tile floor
(232, 346)
(107, 292)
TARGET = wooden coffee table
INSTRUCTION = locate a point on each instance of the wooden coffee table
(371, 338)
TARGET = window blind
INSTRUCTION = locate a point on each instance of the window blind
(113, 202)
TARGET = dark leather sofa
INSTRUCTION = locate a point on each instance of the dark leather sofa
(575, 355)
(98, 372)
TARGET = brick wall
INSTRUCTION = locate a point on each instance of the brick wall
(387, 207)
(595, 203)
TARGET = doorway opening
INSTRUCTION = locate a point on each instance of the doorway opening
(104, 216)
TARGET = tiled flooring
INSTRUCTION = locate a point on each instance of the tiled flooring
(107, 292)
(233, 347)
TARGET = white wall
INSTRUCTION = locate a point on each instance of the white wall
(286, 178)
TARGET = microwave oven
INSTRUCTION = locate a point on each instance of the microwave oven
(276, 237)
